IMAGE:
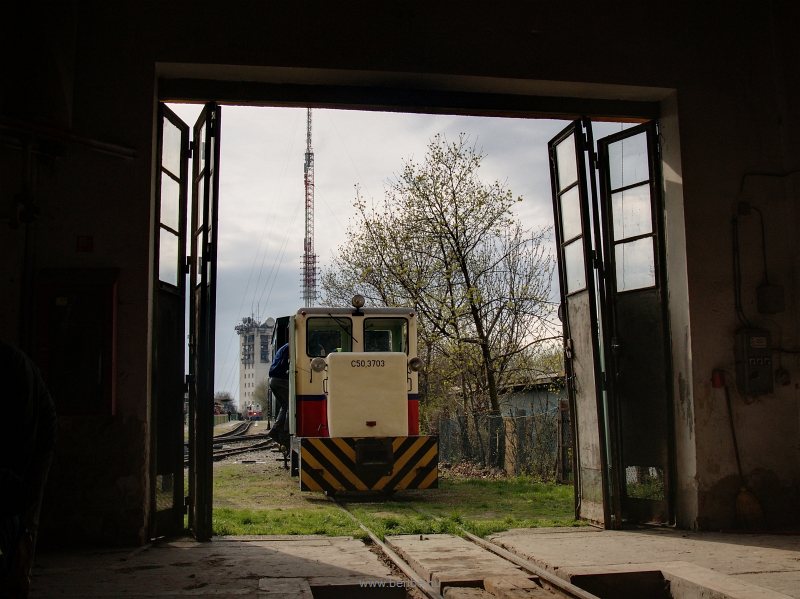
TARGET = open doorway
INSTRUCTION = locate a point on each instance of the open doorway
(263, 257)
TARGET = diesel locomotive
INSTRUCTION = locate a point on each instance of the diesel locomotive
(354, 400)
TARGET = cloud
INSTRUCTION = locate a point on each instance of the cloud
(261, 213)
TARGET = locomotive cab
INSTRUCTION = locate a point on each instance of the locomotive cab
(354, 403)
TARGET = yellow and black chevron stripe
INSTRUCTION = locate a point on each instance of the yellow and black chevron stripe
(358, 464)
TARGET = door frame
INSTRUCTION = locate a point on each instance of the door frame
(168, 524)
(202, 315)
(617, 410)
(457, 95)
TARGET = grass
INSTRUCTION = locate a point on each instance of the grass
(481, 506)
(319, 521)
(252, 499)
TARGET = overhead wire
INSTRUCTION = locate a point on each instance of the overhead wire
(262, 250)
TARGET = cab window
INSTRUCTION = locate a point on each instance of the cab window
(386, 334)
(328, 335)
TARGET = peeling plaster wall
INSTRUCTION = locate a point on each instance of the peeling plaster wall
(733, 111)
(744, 120)
(684, 487)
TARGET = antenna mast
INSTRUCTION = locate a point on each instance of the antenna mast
(309, 275)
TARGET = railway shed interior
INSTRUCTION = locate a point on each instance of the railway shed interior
(78, 169)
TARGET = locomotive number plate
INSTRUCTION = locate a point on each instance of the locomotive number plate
(368, 363)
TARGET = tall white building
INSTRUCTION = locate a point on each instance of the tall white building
(255, 355)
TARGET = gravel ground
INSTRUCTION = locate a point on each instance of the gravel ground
(261, 456)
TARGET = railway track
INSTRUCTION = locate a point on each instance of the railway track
(240, 429)
(414, 560)
(222, 443)
(224, 452)
(221, 452)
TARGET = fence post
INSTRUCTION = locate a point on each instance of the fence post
(511, 461)
(496, 442)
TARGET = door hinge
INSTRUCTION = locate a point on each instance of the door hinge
(190, 150)
(187, 381)
(187, 503)
(187, 267)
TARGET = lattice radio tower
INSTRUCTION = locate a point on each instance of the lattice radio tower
(309, 274)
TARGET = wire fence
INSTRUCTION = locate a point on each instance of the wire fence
(537, 445)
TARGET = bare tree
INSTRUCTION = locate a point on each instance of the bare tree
(225, 399)
(447, 244)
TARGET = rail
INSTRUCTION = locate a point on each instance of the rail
(559, 585)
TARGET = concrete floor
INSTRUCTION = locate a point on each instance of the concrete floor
(270, 567)
(711, 565)
(733, 565)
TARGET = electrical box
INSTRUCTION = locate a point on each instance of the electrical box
(754, 362)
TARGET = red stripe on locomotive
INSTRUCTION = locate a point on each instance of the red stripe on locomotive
(413, 415)
(312, 415)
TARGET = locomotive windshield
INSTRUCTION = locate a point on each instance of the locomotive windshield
(327, 335)
(386, 334)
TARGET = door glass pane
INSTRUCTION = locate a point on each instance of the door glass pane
(201, 190)
(211, 153)
(211, 220)
(198, 245)
(170, 202)
(570, 214)
(201, 142)
(168, 257)
(573, 262)
(631, 212)
(635, 264)
(567, 164)
(627, 161)
(171, 148)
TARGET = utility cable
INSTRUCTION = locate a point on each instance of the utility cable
(737, 275)
(763, 242)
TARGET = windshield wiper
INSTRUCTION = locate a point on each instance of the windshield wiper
(341, 326)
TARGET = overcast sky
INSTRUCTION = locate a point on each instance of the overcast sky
(261, 213)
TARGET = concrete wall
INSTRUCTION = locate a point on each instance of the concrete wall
(532, 401)
(721, 73)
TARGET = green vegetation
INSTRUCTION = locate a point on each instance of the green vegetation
(652, 489)
(330, 521)
(252, 499)
(481, 506)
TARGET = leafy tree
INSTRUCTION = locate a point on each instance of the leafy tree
(261, 394)
(447, 244)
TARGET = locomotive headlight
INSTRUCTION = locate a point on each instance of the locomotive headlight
(318, 364)
(416, 364)
(358, 301)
